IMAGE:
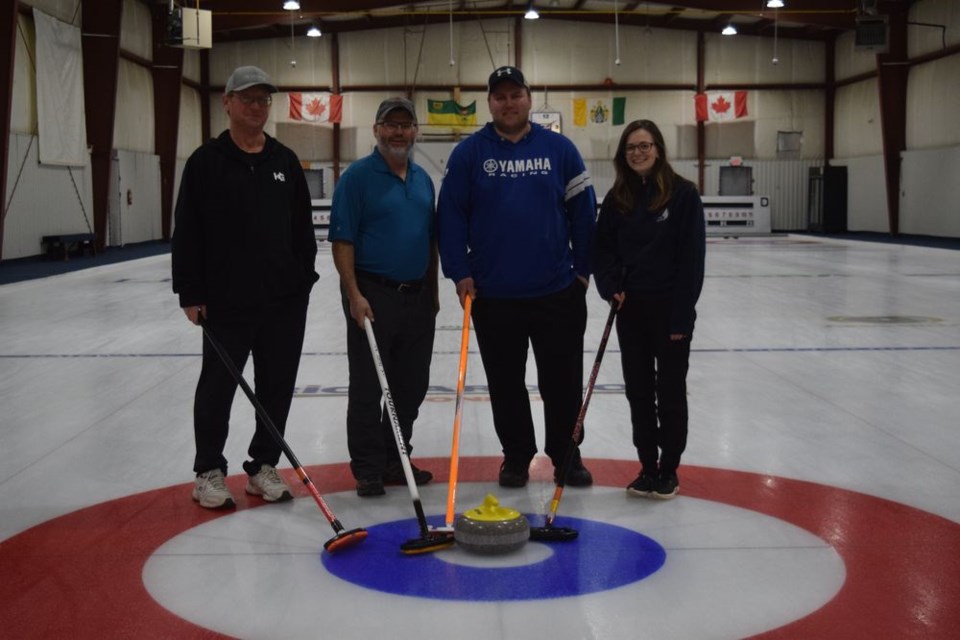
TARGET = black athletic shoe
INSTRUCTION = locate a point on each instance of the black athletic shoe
(394, 474)
(370, 486)
(513, 475)
(577, 476)
(643, 486)
(666, 487)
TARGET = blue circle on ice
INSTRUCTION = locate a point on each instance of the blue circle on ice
(602, 557)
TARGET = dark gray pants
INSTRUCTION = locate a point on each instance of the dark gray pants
(404, 327)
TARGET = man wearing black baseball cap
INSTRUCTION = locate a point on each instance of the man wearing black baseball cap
(506, 74)
(382, 226)
(516, 215)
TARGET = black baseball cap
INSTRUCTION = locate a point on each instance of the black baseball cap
(504, 74)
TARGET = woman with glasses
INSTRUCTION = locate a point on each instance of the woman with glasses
(648, 255)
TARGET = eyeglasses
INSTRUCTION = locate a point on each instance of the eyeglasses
(642, 146)
(263, 101)
(393, 127)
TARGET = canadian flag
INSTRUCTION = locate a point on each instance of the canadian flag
(717, 106)
(315, 107)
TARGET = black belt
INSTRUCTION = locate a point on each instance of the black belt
(408, 286)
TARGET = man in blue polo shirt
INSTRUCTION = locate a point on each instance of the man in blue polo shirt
(382, 228)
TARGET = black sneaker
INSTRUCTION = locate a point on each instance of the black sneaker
(513, 475)
(577, 476)
(643, 486)
(666, 487)
(370, 486)
(394, 474)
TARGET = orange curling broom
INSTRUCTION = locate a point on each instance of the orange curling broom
(458, 414)
(548, 532)
(343, 538)
(428, 540)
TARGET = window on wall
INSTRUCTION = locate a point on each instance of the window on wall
(789, 144)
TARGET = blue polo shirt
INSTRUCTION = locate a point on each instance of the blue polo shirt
(389, 221)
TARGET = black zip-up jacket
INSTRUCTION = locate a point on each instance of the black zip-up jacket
(244, 228)
(654, 252)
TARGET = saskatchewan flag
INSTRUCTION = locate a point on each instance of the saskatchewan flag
(448, 112)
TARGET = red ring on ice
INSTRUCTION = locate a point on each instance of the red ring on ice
(79, 575)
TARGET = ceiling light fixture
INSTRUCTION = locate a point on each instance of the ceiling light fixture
(531, 13)
(775, 4)
(293, 45)
(452, 61)
(616, 30)
(776, 22)
(314, 31)
(291, 5)
(729, 30)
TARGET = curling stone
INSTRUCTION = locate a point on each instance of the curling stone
(491, 529)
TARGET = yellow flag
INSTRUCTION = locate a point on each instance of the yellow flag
(579, 112)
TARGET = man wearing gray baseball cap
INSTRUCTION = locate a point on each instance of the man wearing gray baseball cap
(390, 104)
(384, 247)
(246, 77)
(243, 259)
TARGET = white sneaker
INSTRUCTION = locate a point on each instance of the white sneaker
(269, 485)
(210, 490)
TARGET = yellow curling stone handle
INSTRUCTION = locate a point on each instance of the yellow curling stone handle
(491, 511)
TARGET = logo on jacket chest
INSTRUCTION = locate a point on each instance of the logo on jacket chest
(517, 168)
(279, 177)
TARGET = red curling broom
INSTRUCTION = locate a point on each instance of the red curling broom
(343, 538)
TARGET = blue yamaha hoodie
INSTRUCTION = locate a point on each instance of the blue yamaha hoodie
(516, 217)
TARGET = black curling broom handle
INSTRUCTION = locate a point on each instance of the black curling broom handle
(578, 427)
(271, 427)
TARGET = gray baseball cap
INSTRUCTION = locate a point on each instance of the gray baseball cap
(246, 77)
(390, 104)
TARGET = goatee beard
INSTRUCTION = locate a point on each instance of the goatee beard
(395, 153)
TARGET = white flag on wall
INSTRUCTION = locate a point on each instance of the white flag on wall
(61, 118)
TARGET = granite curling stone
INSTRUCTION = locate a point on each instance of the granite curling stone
(491, 529)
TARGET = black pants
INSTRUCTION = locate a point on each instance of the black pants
(554, 326)
(274, 336)
(655, 375)
(404, 326)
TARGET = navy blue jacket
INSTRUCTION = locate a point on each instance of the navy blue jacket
(654, 252)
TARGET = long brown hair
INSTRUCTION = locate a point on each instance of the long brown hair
(663, 176)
